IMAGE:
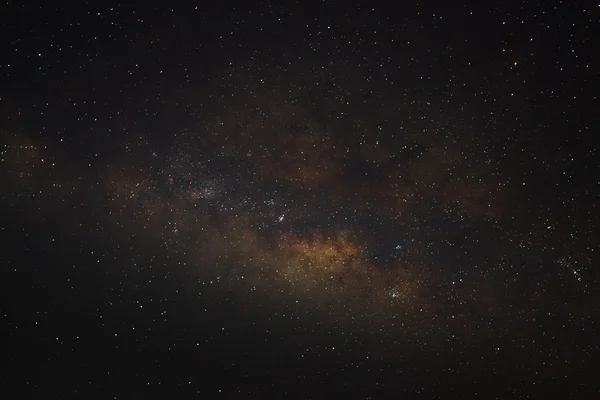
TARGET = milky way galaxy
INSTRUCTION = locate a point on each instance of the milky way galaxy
(377, 199)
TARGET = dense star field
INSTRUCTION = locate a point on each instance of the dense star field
(311, 201)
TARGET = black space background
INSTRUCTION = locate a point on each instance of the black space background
(84, 78)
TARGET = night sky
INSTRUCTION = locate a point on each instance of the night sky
(313, 201)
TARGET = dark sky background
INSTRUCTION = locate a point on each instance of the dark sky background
(317, 200)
